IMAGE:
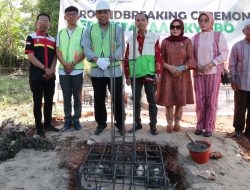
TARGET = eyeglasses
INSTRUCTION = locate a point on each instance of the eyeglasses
(46, 21)
(177, 27)
(71, 14)
(204, 20)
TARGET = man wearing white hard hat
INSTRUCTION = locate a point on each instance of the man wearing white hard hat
(103, 43)
(239, 69)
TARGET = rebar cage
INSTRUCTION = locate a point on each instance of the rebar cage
(115, 166)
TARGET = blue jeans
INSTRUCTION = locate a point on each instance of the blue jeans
(72, 85)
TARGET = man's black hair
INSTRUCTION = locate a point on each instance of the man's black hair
(71, 9)
(42, 14)
(142, 14)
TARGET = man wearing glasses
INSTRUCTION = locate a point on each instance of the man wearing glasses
(69, 51)
(40, 49)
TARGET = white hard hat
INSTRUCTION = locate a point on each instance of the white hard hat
(102, 5)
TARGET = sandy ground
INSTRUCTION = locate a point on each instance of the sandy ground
(36, 170)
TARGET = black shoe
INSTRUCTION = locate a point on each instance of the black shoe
(237, 134)
(207, 134)
(40, 130)
(248, 136)
(51, 128)
(137, 127)
(41, 134)
(198, 132)
(99, 130)
(121, 131)
(153, 130)
(67, 125)
(77, 125)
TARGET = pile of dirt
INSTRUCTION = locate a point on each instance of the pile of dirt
(73, 156)
(175, 170)
(14, 138)
(244, 144)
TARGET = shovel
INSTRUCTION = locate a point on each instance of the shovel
(196, 146)
(190, 138)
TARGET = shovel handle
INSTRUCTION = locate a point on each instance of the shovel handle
(191, 139)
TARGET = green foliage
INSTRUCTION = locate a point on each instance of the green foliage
(11, 33)
(51, 8)
(17, 20)
(29, 10)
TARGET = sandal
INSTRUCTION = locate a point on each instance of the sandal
(215, 155)
(207, 134)
(177, 128)
(170, 129)
(198, 132)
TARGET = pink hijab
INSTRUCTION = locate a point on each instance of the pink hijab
(210, 17)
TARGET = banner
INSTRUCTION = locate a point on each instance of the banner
(228, 15)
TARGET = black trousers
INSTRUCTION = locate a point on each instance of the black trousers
(150, 93)
(241, 106)
(100, 85)
(40, 89)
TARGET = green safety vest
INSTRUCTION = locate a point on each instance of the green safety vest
(145, 62)
(101, 44)
(70, 47)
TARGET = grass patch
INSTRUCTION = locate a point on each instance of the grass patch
(14, 90)
(16, 99)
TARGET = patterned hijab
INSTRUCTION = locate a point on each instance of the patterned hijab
(211, 19)
(179, 38)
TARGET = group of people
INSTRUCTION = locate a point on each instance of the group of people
(163, 69)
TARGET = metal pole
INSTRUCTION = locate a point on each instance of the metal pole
(113, 102)
(134, 70)
(133, 92)
(123, 89)
(112, 90)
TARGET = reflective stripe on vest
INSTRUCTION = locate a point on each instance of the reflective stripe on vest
(70, 47)
(145, 63)
(101, 44)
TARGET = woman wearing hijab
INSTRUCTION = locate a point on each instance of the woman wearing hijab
(210, 52)
(175, 85)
